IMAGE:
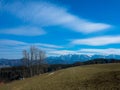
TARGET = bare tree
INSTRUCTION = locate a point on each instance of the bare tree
(26, 63)
(25, 58)
(33, 59)
(41, 58)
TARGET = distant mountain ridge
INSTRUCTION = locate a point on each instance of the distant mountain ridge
(63, 59)
(10, 62)
(72, 58)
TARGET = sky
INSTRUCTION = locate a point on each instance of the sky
(59, 27)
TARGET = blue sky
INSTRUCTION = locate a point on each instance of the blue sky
(59, 27)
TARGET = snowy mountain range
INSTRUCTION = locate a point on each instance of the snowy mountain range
(72, 58)
(63, 59)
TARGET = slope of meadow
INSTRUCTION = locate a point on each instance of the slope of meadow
(89, 77)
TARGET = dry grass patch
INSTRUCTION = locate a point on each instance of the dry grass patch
(89, 77)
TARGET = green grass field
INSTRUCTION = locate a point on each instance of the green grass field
(89, 77)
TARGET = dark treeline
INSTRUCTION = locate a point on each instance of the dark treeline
(97, 61)
(54, 67)
(19, 73)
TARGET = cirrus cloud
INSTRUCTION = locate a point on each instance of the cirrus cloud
(107, 51)
(25, 31)
(7, 42)
(46, 14)
(13, 48)
(97, 41)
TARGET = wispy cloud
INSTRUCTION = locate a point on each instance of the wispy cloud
(6, 42)
(88, 51)
(25, 31)
(101, 51)
(13, 48)
(47, 14)
(47, 45)
(10, 47)
(60, 52)
(97, 41)
(18, 46)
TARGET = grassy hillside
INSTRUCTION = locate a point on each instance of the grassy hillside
(90, 77)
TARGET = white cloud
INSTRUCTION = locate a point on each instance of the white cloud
(7, 42)
(47, 14)
(15, 42)
(25, 31)
(14, 48)
(60, 52)
(12, 53)
(88, 51)
(97, 41)
(101, 51)
(47, 45)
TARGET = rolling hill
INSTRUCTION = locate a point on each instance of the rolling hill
(88, 77)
